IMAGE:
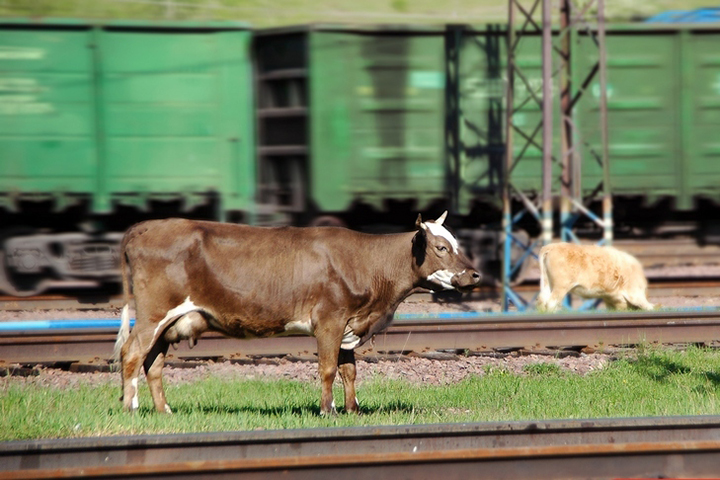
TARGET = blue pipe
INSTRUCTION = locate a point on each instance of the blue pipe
(33, 325)
(37, 325)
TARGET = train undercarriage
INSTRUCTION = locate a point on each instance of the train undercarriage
(43, 250)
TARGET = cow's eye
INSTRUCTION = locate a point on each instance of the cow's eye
(442, 248)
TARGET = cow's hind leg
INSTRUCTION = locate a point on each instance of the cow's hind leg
(552, 301)
(153, 365)
(133, 354)
(346, 366)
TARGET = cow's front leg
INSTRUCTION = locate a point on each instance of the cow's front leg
(328, 351)
(616, 302)
(346, 366)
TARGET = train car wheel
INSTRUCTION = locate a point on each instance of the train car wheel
(11, 286)
(11, 283)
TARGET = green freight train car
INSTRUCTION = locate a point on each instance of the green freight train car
(413, 118)
(355, 128)
(350, 116)
(105, 125)
(663, 114)
(102, 125)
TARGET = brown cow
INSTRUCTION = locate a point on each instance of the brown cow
(336, 284)
(591, 271)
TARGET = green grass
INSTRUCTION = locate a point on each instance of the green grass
(652, 383)
(261, 13)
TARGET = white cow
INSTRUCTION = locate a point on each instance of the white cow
(591, 271)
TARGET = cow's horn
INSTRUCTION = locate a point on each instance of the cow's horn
(419, 223)
(441, 218)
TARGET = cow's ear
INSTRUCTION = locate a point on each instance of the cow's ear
(419, 246)
(419, 223)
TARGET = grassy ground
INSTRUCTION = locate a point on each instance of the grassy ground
(652, 383)
(263, 13)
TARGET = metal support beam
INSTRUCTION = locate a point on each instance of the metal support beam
(547, 124)
(576, 26)
(607, 190)
(577, 31)
(573, 88)
(530, 96)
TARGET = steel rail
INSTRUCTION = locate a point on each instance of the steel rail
(703, 287)
(600, 448)
(459, 333)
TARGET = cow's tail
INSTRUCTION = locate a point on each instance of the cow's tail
(124, 331)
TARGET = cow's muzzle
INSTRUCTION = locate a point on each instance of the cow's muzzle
(466, 280)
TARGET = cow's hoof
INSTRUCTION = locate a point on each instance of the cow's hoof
(353, 407)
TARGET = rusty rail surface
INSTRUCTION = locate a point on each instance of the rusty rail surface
(442, 332)
(698, 286)
(601, 448)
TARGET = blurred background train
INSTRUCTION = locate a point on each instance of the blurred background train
(106, 124)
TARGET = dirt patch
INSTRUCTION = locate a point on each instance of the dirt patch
(412, 369)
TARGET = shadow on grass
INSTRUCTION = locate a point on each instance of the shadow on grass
(711, 377)
(308, 409)
(659, 369)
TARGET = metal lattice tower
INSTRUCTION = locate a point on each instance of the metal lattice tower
(575, 24)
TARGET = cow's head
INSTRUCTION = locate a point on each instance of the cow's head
(438, 258)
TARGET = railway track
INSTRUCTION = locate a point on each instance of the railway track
(95, 301)
(701, 287)
(466, 333)
(670, 252)
(603, 448)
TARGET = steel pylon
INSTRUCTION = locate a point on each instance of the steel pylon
(561, 186)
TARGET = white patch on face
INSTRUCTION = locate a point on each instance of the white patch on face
(186, 307)
(442, 278)
(134, 403)
(440, 231)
